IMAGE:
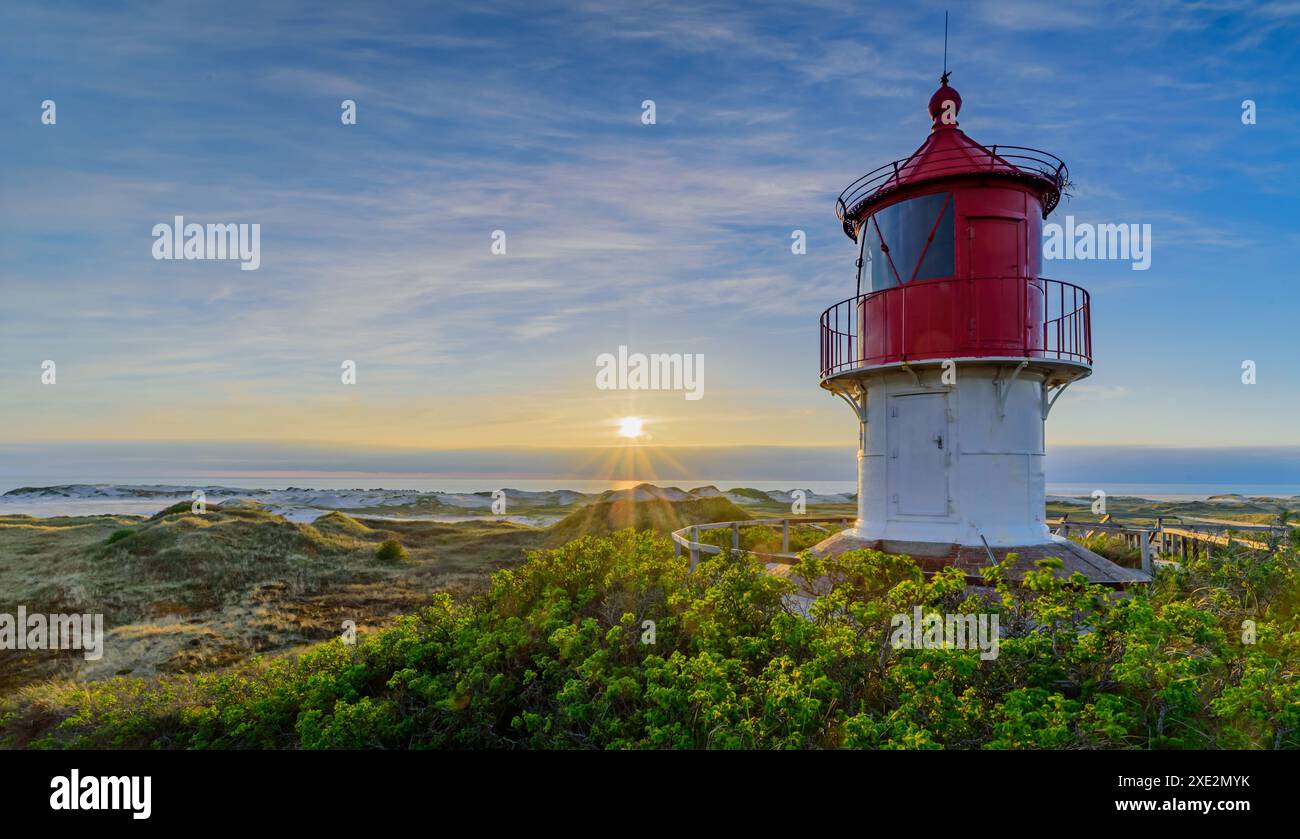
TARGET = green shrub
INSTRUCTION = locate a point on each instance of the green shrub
(118, 535)
(391, 551)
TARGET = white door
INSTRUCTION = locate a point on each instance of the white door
(918, 457)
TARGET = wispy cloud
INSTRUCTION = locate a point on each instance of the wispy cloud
(505, 116)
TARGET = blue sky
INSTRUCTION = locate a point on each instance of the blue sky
(671, 237)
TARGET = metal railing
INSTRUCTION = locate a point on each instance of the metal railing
(689, 537)
(1033, 318)
(1008, 160)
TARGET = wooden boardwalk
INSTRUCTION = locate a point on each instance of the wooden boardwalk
(972, 560)
(1174, 540)
(1165, 542)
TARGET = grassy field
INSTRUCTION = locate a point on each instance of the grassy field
(554, 655)
(190, 593)
(183, 592)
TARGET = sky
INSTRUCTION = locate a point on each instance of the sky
(673, 237)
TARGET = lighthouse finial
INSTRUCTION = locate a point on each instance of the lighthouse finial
(944, 78)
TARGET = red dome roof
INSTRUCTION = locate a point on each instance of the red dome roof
(949, 153)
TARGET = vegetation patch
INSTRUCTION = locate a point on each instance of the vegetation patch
(611, 642)
(391, 551)
(188, 592)
(605, 517)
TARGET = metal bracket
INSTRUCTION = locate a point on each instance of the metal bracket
(1048, 403)
(858, 402)
(1004, 388)
(916, 378)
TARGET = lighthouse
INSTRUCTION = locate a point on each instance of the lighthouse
(953, 351)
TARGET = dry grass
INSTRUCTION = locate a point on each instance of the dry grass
(182, 592)
(1112, 547)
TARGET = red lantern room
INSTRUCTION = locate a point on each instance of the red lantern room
(953, 349)
(949, 255)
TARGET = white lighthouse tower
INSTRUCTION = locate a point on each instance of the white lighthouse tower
(954, 350)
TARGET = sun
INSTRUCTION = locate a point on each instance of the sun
(630, 427)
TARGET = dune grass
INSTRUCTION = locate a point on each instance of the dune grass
(182, 591)
(1112, 547)
(604, 517)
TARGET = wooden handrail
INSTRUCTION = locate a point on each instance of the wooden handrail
(688, 537)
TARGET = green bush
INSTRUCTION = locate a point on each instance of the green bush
(391, 551)
(118, 535)
(612, 643)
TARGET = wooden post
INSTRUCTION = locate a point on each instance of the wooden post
(785, 536)
(1146, 551)
(735, 537)
(695, 551)
(677, 548)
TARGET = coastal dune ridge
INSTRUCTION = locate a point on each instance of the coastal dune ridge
(304, 503)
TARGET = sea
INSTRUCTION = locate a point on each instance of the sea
(453, 484)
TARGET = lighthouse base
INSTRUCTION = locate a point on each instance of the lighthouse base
(933, 557)
(954, 455)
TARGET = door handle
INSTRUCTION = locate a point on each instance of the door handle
(938, 440)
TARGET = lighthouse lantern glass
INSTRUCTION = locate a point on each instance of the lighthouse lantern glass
(898, 245)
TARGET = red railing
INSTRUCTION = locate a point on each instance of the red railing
(981, 317)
